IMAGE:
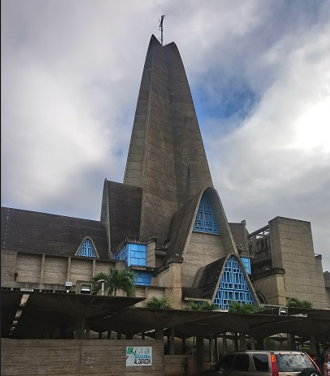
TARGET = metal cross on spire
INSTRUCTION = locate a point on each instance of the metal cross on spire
(161, 28)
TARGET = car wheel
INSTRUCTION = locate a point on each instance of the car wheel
(310, 372)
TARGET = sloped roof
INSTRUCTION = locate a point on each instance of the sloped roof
(206, 281)
(208, 278)
(35, 232)
(124, 211)
(180, 227)
(183, 220)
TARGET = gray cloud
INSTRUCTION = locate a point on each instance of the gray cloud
(260, 79)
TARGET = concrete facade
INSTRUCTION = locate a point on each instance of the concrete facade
(284, 264)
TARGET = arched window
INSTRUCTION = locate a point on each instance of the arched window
(86, 249)
(205, 219)
(233, 286)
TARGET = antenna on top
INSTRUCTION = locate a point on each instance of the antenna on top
(161, 28)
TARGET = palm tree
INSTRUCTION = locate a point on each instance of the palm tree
(237, 307)
(113, 281)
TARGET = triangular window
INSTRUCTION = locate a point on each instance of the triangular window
(233, 286)
(205, 219)
(86, 249)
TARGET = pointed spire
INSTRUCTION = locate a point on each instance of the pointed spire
(166, 154)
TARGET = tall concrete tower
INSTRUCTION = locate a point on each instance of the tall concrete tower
(166, 154)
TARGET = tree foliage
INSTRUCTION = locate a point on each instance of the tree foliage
(205, 306)
(160, 303)
(296, 303)
(237, 307)
(114, 281)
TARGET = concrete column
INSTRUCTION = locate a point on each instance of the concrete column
(211, 349)
(100, 335)
(260, 344)
(42, 269)
(253, 343)
(224, 343)
(183, 346)
(68, 273)
(312, 344)
(242, 341)
(159, 334)
(93, 267)
(171, 344)
(109, 334)
(199, 354)
(236, 341)
(80, 327)
(87, 332)
(216, 349)
(291, 342)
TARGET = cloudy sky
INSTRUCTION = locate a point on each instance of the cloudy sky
(259, 73)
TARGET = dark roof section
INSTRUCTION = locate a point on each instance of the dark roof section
(205, 281)
(183, 221)
(209, 276)
(192, 293)
(180, 227)
(124, 212)
(34, 232)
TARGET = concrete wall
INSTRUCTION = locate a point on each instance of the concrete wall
(170, 280)
(272, 288)
(180, 365)
(43, 270)
(202, 250)
(292, 249)
(76, 357)
(51, 272)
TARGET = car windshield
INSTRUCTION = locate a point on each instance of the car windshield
(292, 362)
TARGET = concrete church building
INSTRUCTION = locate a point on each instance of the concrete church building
(165, 221)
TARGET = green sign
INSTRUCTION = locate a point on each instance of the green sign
(138, 356)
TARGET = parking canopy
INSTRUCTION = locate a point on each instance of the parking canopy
(36, 314)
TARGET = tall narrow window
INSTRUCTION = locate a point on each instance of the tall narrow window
(86, 249)
(233, 286)
(205, 219)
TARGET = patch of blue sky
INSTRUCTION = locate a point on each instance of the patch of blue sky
(234, 99)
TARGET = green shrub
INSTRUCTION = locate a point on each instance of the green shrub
(161, 303)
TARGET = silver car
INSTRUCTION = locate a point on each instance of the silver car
(264, 363)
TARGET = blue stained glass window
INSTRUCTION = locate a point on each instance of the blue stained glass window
(205, 219)
(143, 278)
(133, 254)
(233, 286)
(86, 249)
